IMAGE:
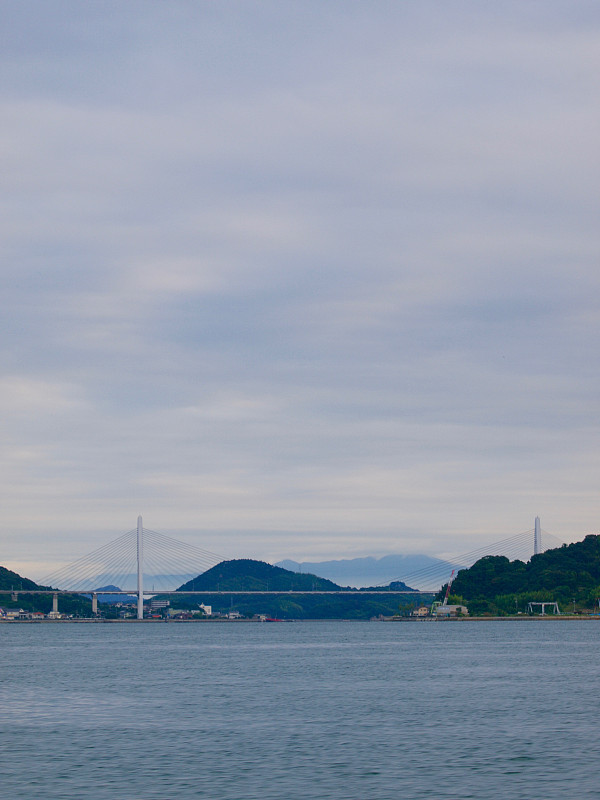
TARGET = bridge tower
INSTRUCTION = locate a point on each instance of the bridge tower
(537, 537)
(140, 569)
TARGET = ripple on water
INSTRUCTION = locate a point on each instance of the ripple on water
(339, 711)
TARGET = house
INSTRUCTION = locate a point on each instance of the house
(451, 611)
(421, 611)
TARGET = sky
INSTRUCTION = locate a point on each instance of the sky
(298, 279)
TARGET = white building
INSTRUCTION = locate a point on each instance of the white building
(451, 611)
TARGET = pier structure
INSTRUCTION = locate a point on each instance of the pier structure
(543, 606)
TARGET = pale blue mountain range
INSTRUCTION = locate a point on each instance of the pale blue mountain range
(358, 572)
(418, 571)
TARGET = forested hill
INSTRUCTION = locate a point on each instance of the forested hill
(68, 604)
(12, 580)
(248, 575)
(563, 574)
(244, 574)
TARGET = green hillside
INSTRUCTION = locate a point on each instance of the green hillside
(245, 574)
(495, 585)
(249, 575)
(12, 580)
(67, 604)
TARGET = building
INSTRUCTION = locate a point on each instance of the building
(451, 611)
(15, 613)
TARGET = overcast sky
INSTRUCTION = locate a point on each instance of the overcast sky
(298, 279)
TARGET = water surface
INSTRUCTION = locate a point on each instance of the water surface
(311, 710)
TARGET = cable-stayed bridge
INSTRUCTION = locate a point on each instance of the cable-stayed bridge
(166, 564)
(148, 562)
(521, 546)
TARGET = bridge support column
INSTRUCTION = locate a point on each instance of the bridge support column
(140, 569)
(94, 603)
(55, 602)
(537, 537)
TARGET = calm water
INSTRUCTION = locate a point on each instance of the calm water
(327, 710)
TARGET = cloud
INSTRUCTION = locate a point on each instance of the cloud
(305, 281)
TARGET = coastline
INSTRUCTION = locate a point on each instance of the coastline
(538, 618)
(220, 620)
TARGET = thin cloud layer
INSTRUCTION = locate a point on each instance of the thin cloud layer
(298, 281)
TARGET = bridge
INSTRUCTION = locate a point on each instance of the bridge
(123, 561)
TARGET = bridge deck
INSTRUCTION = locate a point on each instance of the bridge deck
(360, 592)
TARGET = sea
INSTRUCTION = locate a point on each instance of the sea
(300, 710)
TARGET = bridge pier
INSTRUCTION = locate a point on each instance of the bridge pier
(94, 603)
(55, 602)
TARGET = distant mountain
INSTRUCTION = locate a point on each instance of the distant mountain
(400, 586)
(369, 571)
(244, 574)
(105, 596)
(152, 582)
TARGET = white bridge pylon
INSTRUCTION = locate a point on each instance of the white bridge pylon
(520, 546)
(143, 562)
(149, 561)
(140, 568)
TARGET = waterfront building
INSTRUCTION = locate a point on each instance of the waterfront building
(451, 611)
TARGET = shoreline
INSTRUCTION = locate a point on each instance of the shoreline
(538, 618)
(84, 621)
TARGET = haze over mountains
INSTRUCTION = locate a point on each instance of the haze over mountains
(416, 569)
(370, 571)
